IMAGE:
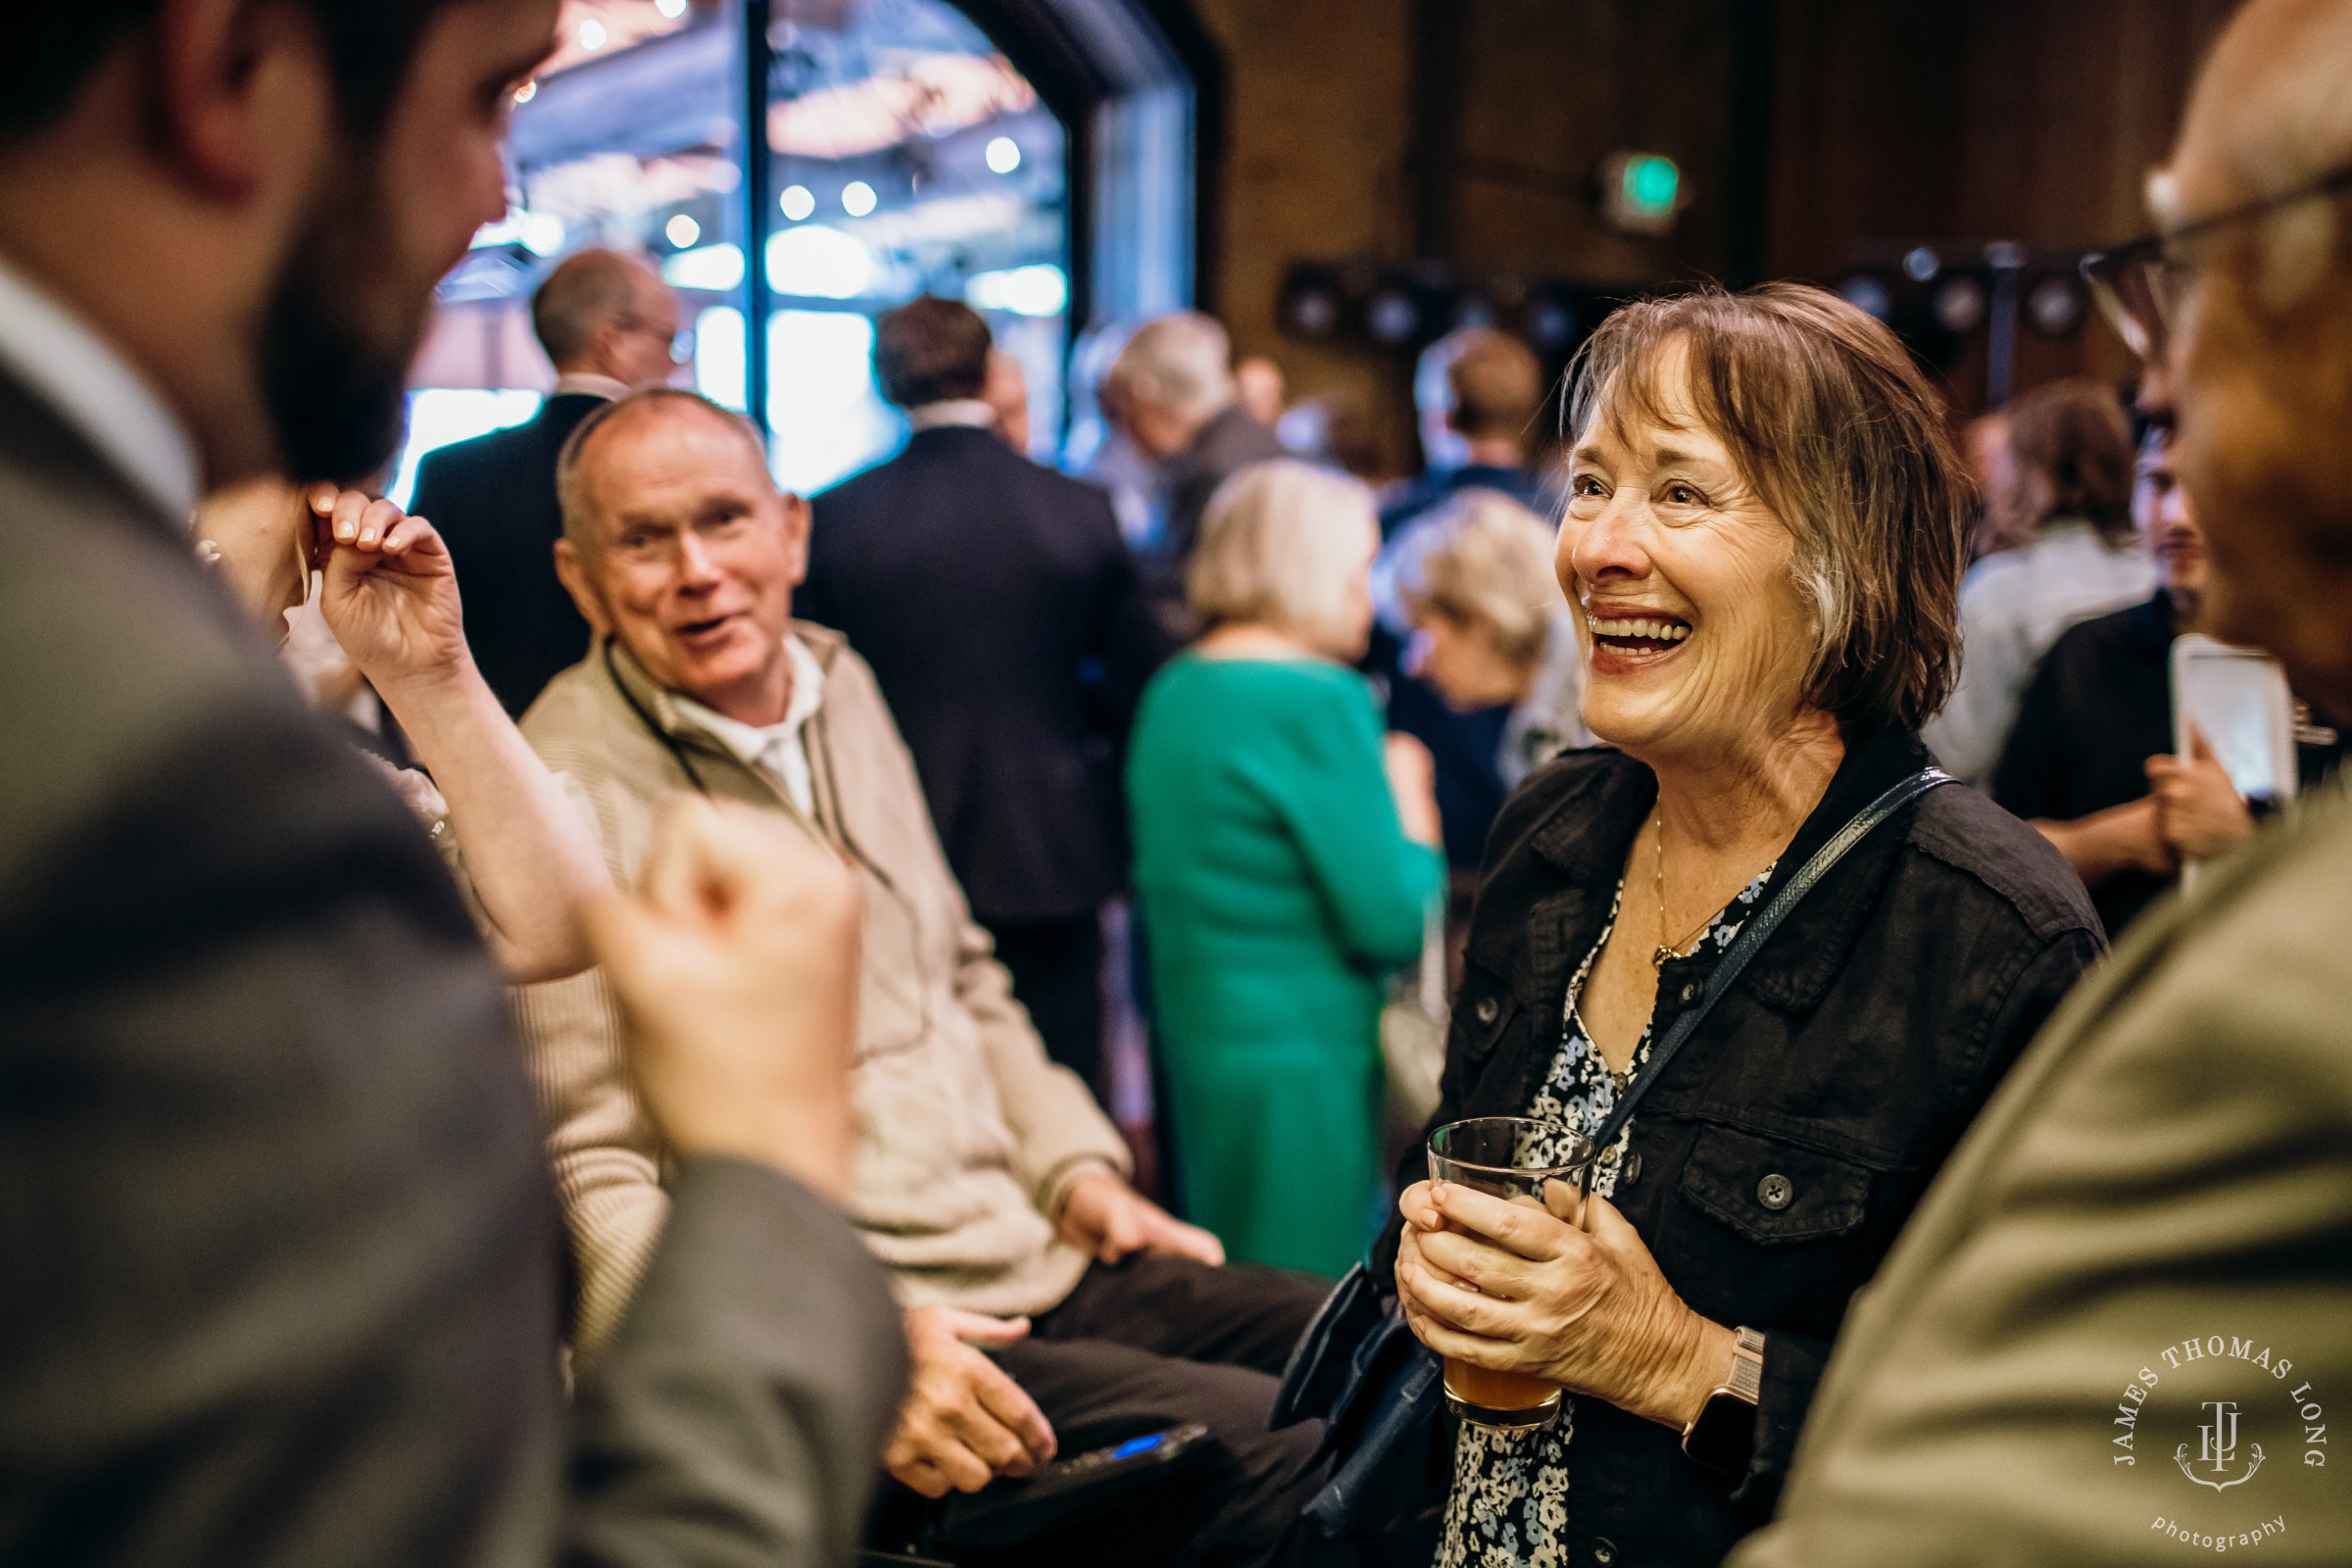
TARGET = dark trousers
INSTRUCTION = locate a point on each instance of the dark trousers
(1154, 1343)
(1057, 968)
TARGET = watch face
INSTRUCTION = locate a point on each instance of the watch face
(1723, 1435)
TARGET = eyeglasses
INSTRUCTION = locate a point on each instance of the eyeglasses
(2139, 286)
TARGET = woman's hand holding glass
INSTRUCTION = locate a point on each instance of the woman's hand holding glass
(1514, 1289)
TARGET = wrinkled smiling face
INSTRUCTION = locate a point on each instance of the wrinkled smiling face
(1695, 635)
(696, 555)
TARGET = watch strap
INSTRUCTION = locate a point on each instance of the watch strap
(1720, 1436)
(1747, 1381)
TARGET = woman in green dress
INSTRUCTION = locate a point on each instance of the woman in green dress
(1285, 858)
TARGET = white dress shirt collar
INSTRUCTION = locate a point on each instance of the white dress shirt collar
(65, 363)
(972, 413)
(775, 750)
(589, 382)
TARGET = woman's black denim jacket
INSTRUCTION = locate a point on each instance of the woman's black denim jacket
(1840, 1068)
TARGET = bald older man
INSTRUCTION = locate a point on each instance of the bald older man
(2118, 1326)
(608, 324)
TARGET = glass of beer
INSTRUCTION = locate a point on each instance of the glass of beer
(1521, 1160)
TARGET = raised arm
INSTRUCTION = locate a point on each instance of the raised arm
(391, 599)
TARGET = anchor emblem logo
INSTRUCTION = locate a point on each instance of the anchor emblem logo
(2219, 1450)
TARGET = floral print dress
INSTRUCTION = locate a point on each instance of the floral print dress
(1509, 1508)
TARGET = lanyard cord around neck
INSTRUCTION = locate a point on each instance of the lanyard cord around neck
(677, 752)
(653, 727)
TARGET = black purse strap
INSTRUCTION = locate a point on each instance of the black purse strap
(1757, 932)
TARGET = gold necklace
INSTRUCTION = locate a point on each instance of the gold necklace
(1665, 952)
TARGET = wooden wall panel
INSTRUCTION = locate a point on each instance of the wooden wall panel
(2034, 120)
(1315, 150)
(1892, 121)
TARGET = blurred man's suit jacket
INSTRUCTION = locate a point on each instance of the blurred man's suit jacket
(494, 500)
(1000, 609)
(279, 1244)
(2170, 1161)
(997, 607)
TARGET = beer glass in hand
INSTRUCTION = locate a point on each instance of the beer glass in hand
(1523, 1162)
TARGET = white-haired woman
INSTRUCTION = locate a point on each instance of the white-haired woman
(1491, 629)
(1284, 857)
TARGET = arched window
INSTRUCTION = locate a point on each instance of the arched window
(1033, 157)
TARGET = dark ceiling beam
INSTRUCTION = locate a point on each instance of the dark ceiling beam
(1437, 123)
(1755, 64)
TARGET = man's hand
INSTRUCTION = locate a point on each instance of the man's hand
(2197, 808)
(1109, 1219)
(965, 1422)
(2122, 838)
(389, 594)
(736, 970)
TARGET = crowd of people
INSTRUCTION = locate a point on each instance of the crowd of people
(568, 1022)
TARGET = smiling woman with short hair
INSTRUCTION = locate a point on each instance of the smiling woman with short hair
(1762, 547)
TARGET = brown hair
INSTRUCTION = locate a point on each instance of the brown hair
(1824, 414)
(2075, 435)
(931, 350)
(1495, 387)
(48, 54)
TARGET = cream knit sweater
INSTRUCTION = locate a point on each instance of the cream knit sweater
(968, 1138)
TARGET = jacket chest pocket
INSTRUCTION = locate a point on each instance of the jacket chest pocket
(1485, 1013)
(1772, 1193)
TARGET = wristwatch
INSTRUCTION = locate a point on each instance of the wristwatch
(1723, 1432)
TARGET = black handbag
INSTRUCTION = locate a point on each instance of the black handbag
(1377, 1389)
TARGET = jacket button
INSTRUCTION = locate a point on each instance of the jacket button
(1774, 1191)
(1487, 1009)
(1689, 993)
(1633, 1170)
(1605, 1552)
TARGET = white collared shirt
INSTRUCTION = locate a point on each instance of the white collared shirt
(65, 363)
(2013, 606)
(777, 751)
(591, 384)
(974, 412)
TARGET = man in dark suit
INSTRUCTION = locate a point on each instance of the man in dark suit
(278, 1247)
(608, 322)
(1000, 610)
(1171, 390)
